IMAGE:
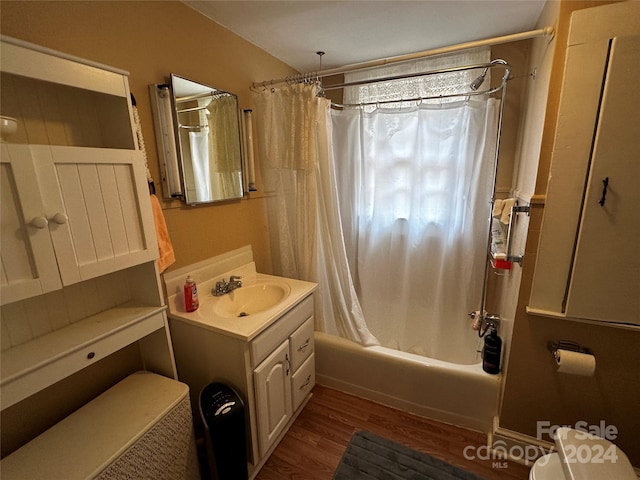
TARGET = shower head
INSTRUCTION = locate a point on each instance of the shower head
(475, 85)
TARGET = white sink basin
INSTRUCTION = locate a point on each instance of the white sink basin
(249, 300)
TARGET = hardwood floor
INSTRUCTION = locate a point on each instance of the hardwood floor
(312, 448)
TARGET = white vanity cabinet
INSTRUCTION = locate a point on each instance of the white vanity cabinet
(78, 276)
(272, 368)
(285, 377)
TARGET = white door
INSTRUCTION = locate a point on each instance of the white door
(273, 396)
(28, 267)
(605, 281)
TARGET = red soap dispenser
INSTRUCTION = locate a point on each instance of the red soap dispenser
(191, 303)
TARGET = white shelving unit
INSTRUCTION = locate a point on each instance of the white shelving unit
(79, 280)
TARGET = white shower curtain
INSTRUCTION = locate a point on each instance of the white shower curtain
(294, 135)
(415, 187)
(201, 164)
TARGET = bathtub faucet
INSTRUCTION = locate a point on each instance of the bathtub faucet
(492, 319)
(485, 321)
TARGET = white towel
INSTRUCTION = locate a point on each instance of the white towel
(498, 239)
(199, 144)
(497, 208)
(506, 210)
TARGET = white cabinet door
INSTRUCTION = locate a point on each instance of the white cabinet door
(91, 204)
(605, 281)
(273, 396)
(28, 265)
(104, 197)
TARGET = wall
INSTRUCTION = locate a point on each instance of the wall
(534, 391)
(151, 40)
(529, 87)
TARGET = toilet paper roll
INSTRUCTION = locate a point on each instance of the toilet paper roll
(575, 363)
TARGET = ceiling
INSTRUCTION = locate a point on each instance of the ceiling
(353, 31)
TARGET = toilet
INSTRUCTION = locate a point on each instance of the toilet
(582, 456)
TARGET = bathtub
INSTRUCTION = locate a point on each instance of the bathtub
(462, 395)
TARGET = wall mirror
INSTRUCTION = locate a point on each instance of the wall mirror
(207, 126)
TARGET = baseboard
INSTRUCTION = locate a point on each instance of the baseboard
(517, 447)
(512, 441)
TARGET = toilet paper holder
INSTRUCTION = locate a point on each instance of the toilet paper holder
(566, 345)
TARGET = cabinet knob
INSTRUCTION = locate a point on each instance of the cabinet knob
(60, 218)
(39, 222)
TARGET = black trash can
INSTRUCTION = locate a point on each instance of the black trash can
(222, 412)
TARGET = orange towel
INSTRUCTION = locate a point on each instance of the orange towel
(165, 248)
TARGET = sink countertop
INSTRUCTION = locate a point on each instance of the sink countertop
(244, 328)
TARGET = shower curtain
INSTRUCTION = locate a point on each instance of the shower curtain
(386, 210)
(224, 147)
(201, 165)
(294, 139)
(415, 187)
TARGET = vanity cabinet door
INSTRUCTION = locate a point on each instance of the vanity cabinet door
(273, 396)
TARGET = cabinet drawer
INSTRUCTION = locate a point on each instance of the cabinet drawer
(301, 344)
(33, 366)
(302, 381)
(267, 341)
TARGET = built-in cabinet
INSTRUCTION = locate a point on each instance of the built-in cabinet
(588, 265)
(74, 192)
(274, 372)
(79, 280)
(70, 214)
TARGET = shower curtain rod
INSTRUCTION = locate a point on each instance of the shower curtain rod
(498, 63)
(546, 31)
(491, 64)
(213, 94)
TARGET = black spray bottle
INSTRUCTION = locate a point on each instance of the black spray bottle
(492, 352)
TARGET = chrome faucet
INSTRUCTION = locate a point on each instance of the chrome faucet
(223, 287)
(485, 321)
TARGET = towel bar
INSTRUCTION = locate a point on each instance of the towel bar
(514, 211)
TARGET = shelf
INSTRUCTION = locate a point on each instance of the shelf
(32, 61)
(39, 363)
